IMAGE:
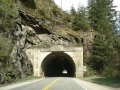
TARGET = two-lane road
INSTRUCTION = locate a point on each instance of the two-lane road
(53, 83)
(56, 83)
(63, 83)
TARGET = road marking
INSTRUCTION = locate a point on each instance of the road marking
(79, 84)
(49, 85)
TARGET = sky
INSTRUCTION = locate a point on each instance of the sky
(66, 4)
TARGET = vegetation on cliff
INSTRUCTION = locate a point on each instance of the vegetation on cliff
(44, 9)
(8, 13)
(5, 46)
(80, 21)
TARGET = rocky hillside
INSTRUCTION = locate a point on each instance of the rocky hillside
(40, 23)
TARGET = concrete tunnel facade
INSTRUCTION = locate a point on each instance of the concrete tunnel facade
(51, 62)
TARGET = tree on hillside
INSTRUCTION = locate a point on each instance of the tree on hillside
(100, 53)
(101, 18)
(80, 18)
(101, 15)
(72, 11)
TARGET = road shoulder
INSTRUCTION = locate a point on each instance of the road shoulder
(93, 86)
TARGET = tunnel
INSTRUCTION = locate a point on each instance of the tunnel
(58, 64)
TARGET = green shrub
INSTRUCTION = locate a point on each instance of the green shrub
(5, 46)
(55, 10)
(8, 13)
(110, 72)
(8, 79)
(89, 72)
(29, 3)
(66, 17)
(42, 11)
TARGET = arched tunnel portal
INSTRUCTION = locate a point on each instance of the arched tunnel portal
(56, 62)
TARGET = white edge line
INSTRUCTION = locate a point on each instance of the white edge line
(80, 84)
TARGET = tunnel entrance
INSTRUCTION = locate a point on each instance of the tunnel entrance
(56, 62)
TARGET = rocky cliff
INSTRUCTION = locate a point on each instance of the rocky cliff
(40, 24)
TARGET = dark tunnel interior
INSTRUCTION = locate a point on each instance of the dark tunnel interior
(56, 63)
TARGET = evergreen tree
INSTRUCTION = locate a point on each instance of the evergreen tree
(92, 13)
(100, 53)
(101, 15)
(72, 11)
(101, 18)
(80, 19)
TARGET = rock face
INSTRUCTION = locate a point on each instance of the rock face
(18, 55)
(39, 32)
(1, 78)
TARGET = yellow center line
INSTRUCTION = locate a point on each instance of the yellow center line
(49, 85)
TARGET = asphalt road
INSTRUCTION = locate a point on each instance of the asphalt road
(56, 83)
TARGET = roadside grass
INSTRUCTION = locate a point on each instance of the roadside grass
(31, 77)
(18, 80)
(112, 82)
